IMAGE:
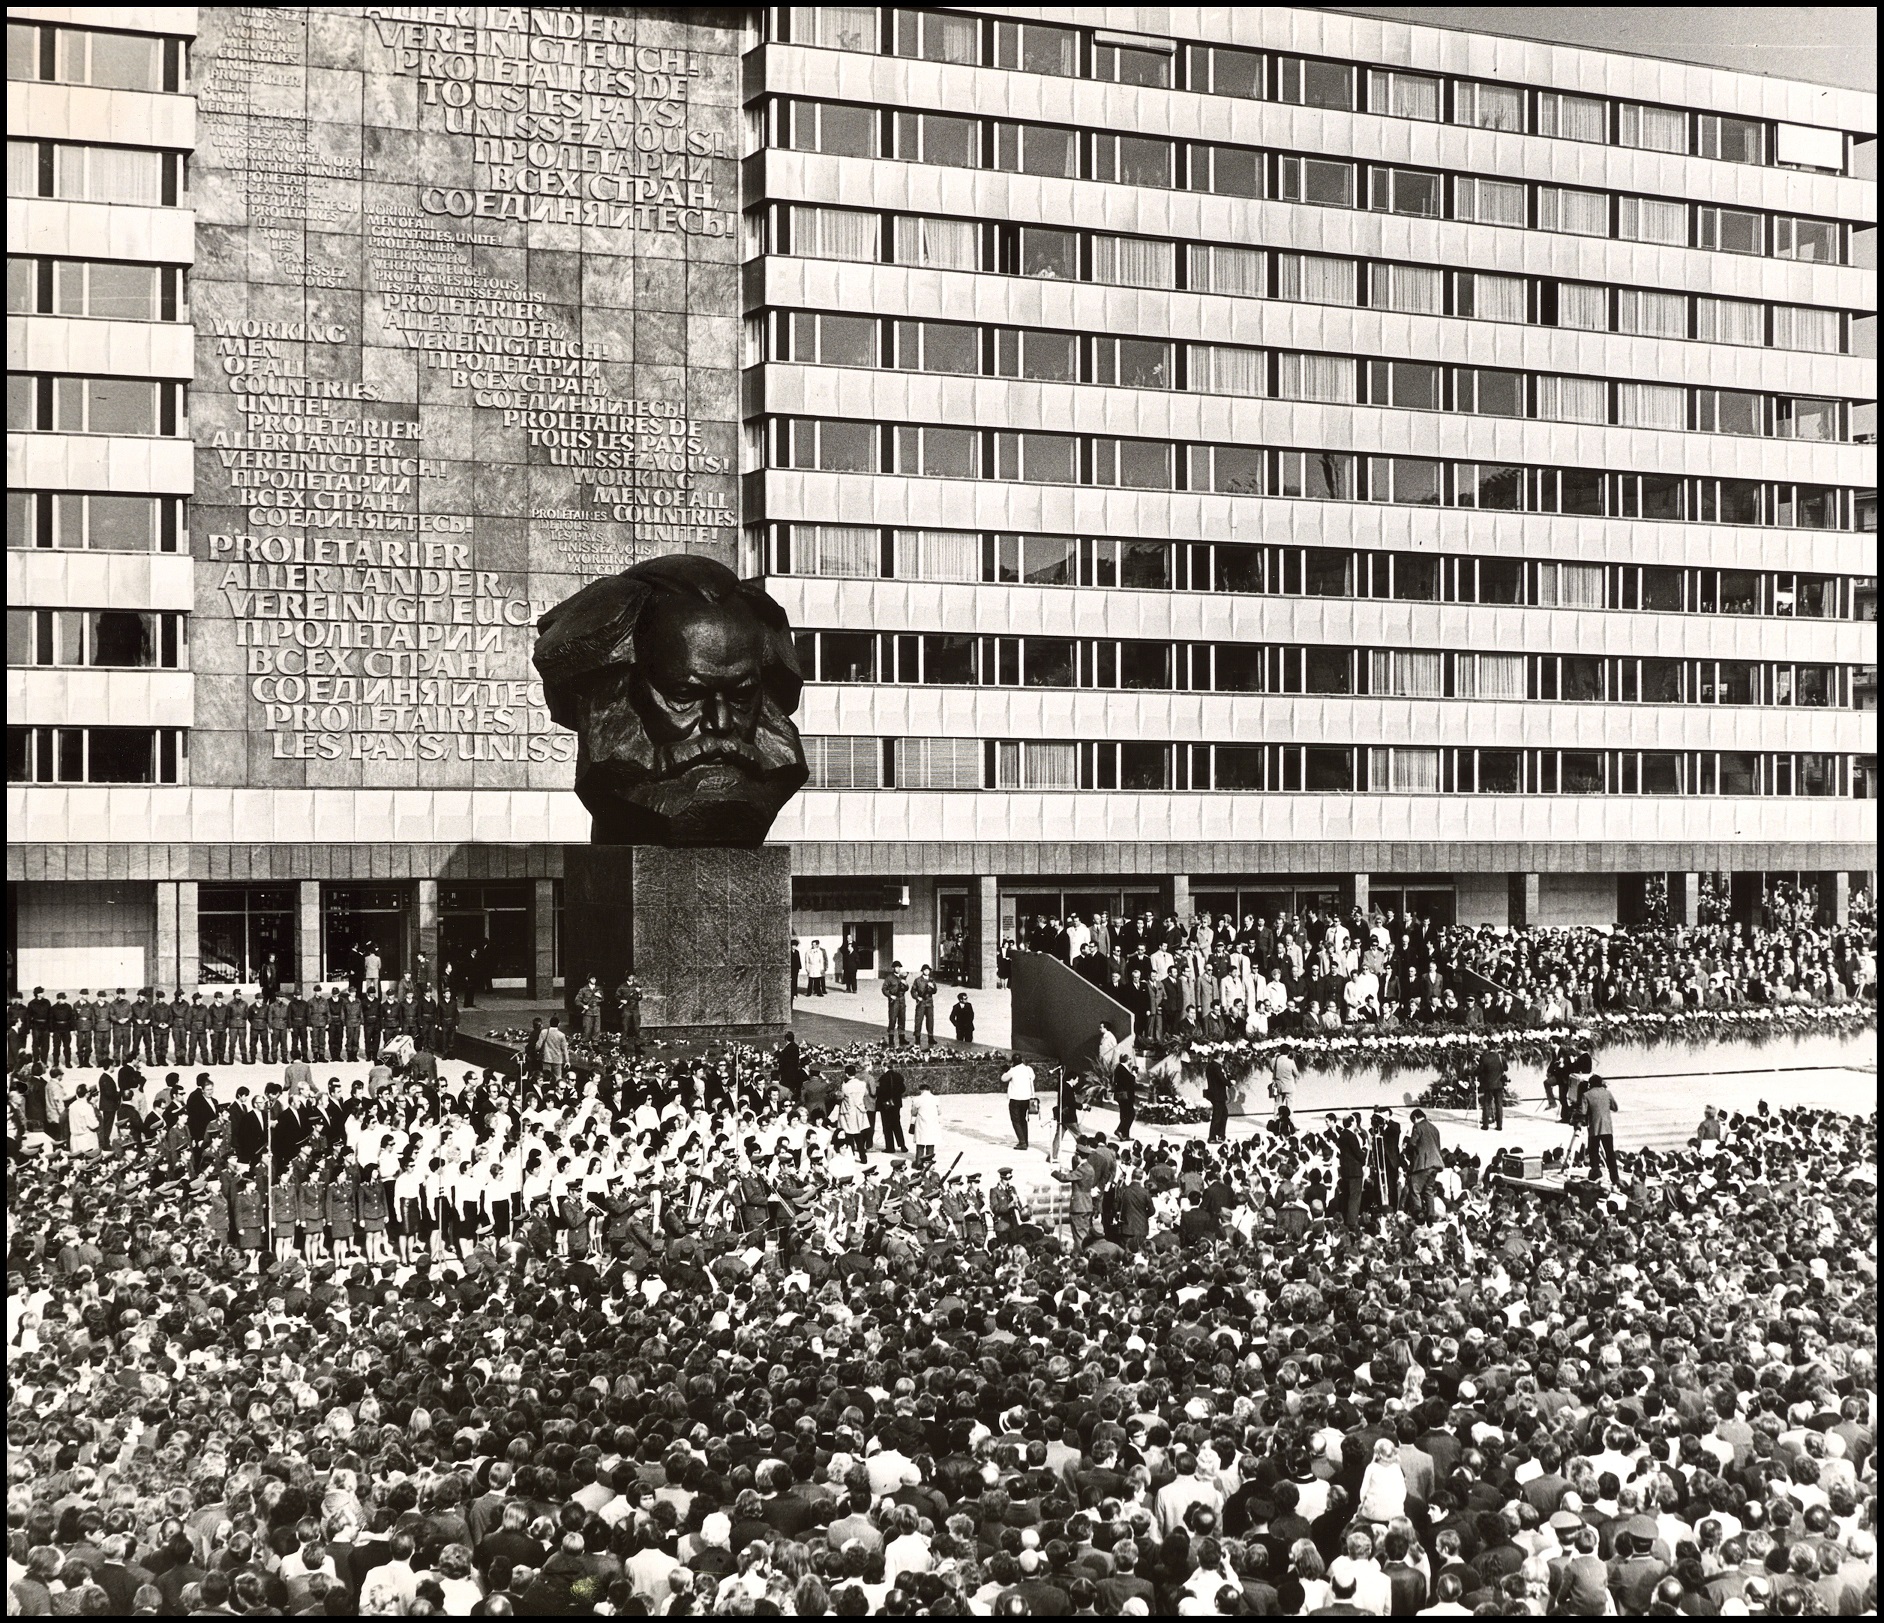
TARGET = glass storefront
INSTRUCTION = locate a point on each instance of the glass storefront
(487, 925)
(238, 926)
(356, 916)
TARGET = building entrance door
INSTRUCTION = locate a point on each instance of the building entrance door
(864, 942)
(952, 948)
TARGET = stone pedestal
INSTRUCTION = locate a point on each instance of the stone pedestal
(706, 930)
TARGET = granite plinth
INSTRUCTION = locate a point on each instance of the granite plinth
(706, 930)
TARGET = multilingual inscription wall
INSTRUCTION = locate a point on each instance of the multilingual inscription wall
(466, 302)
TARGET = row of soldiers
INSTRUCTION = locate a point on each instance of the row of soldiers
(187, 1029)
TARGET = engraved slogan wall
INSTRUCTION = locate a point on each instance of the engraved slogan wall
(466, 302)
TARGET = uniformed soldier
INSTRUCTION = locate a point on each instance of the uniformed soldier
(239, 1050)
(218, 1030)
(319, 1012)
(1005, 1204)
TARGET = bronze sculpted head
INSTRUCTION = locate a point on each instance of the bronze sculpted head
(679, 681)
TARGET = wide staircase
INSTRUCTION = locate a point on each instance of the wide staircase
(1057, 1012)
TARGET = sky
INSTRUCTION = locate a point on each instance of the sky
(1831, 45)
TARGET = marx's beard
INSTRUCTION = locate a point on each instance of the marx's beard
(670, 760)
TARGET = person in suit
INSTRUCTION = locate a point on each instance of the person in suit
(1351, 1170)
(248, 1128)
(199, 1112)
(1423, 1159)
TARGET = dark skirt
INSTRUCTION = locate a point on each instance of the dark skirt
(372, 1206)
(340, 1201)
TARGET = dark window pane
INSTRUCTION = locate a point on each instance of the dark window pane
(1239, 766)
(122, 639)
(1329, 671)
(1415, 578)
(1236, 470)
(1327, 769)
(1143, 766)
(1048, 662)
(1239, 569)
(1740, 501)
(849, 656)
(847, 447)
(1582, 491)
(1498, 772)
(1661, 773)
(1145, 665)
(121, 755)
(1051, 560)
(1050, 253)
(1239, 669)
(1739, 772)
(847, 341)
(1582, 772)
(948, 658)
(1498, 394)
(1661, 495)
(1661, 588)
(1582, 678)
(1329, 572)
(1145, 565)
(1661, 681)
(1500, 580)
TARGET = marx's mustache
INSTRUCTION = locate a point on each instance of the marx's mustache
(700, 749)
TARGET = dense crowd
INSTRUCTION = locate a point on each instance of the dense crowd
(664, 1331)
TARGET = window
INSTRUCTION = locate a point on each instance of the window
(1327, 769)
(1405, 675)
(1051, 459)
(1305, 82)
(953, 555)
(1044, 251)
(921, 239)
(1488, 106)
(1653, 129)
(107, 59)
(1572, 400)
(1647, 495)
(938, 763)
(1406, 480)
(1492, 486)
(1805, 146)
(98, 639)
(1818, 774)
(1142, 62)
(97, 755)
(1237, 569)
(1134, 160)
(1653, 219)
(1136, 565)
(1144, 667)
(1328, 181)
(1489, 392)
(1222, 70)
(827, 340)
(1485, 297)
(844, 763)
(1814, 240)
(1416, 577)
(847, 656)
(1027, 352)
(1582, 772)
(97, 522)
(1412, 384)
(1329, 378)
(1230, 270)
(936, 36)
(1490, 202)
(937, 346)
(1231, 470)
(1135, 464)
(1037, 149)
(1404, 771)
(99, 174)
(1801, 419)
(1731, 231)
(1572, 586)
(1572, 118)
(1797, 326)
(1327, 572)
(1037, 560)
(1238, 766)
(1411, 289)
(1729, 321)
(1317, 279)
(1806, 507)
(939, 138)
(1729, 411)
(1226, 171)
(1582, 214)
(833, 447)
(837, 28)
(1133, 363)
(828, 233)
(238, 926)
(1134, 261)
(1403, 95)
(1725, 501)
(1225, 369)
(1501, 580)
(834, 127)
(1047, 662)
(1488, 676)
(1316, 475)
(114, 406)
(1036, 765)
(1652, 315)
(847, 551)
(1734, 140)
(100, 288)
(1404, 191)
(1036, 48)
(939, 453)
(1651, 405)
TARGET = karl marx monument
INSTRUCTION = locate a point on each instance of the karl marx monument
(679, 681)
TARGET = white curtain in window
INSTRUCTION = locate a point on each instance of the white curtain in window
(1574, 118)
(1489, 676)
(1562, 208)
(111, 174)
(1651, 405)
(1489, 107)
(1498, 298)
(938, 555)
(1654, 219)
(1579, 586)
(1797, 326)
(1403, 95)
(936, 244)
(844, 763)
(1490, 202)
(1652, 315)
(1656, 129)
(838, 28)
(1730, 321)
(1230, 270)
(1415, 289)
(1226, 369)
(1405, 675)
(851, 551)
(1317, 377)
(1573, 400)
(1414, 771)
(1050, 766)
(1318, 279)
(1134, 262)
(1583, 305)
(22, 169)
(826, 233)
(938, 763)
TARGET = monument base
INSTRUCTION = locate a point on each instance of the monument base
(706, 930)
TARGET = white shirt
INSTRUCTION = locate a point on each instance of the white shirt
(1019, 1080)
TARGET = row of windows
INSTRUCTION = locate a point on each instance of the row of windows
(98, 174)
(98, 755)
(1061, 253)
(74, 405)
(95, 521)
(96, 56)
(968, 349)
(110, 289)
(836, 445)
(1049, 764)
(112, 639)
(1224, 70)
(865, 552)
(965, 659)
(960, 141)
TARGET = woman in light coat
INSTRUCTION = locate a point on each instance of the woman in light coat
(854, 1106)
(925, 1123)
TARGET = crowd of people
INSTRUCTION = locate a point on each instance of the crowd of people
(668, 1331)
